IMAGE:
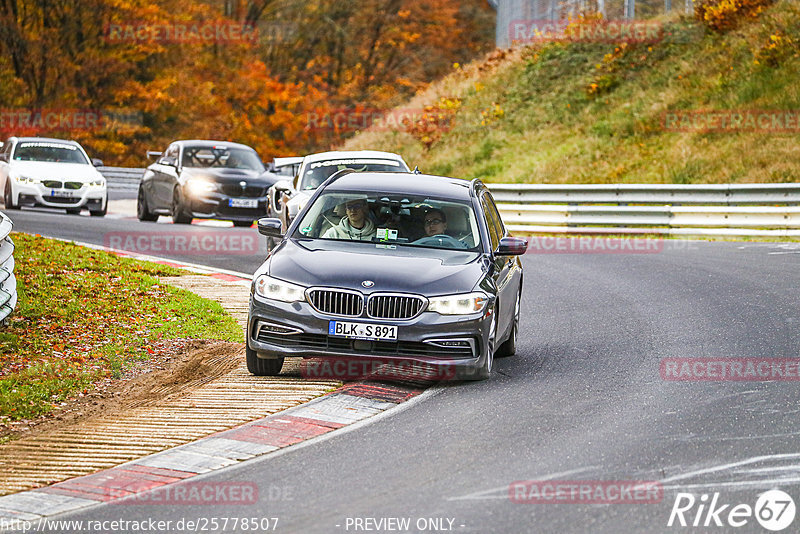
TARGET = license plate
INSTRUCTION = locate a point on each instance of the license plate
(62, 194)
(377, 332)
(243, 202)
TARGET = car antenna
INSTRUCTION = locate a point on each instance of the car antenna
(416, 169)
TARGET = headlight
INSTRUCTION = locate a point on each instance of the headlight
(198, 187)
(463, 304)
(99, 182)
(272, 288)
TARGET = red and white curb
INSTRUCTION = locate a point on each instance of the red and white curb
(337, 410)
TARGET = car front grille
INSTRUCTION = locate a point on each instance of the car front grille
(62, 200)
(250, 191)
(321, 342)
(394, 306)
(73, 185)
(52, 184)
(337, 302)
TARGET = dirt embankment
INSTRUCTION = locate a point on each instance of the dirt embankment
(180, 367)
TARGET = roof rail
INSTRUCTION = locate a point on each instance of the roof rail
(473, 186)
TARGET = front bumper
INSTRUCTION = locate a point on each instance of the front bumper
(217, 206)
(427, 339)
(38, 195)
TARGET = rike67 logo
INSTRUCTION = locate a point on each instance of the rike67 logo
(774, 510)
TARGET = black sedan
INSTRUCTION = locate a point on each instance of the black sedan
(389, 266)
(204, 179)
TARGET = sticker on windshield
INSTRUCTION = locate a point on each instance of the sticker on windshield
(47, 145)
(306, 230)
(385, 234)
(337, 162)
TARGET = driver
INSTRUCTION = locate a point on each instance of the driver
(355, 225)
(435, 222)
(233, 161)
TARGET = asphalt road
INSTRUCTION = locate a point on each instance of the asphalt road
(583, 400)
(213, 243)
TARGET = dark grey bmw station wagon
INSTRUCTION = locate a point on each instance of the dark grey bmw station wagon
(407, 267)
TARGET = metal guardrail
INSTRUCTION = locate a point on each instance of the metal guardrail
(8, 284)
(708, 209)
(713, 209)
(122, 179)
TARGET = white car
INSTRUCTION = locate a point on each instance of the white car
(287, 198)
(39, 171)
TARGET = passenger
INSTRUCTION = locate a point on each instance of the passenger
(435, 223)
(356, 225)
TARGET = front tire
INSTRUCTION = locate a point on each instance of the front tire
(179, 214)
(8, 197)
(509, 346)
(485, 371)
(260, 366)
(101, 212)
(143, 212)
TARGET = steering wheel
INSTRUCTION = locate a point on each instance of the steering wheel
(440, 240)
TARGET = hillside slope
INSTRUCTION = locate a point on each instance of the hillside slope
(581, 112)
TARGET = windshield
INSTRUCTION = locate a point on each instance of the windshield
(391, 220)
(51, 152)
(319, 171)
(221, 156)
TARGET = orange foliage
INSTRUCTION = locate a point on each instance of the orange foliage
(310, 56)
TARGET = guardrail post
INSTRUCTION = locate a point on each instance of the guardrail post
(8, 284)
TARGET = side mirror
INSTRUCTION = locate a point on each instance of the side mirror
(3, 157)
(511, 246)
(152, 154)
(168, 161)
(270, 227)
(97, 162)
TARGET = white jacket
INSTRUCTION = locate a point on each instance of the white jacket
(344, 230)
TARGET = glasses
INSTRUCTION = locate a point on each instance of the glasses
(433, 221)
(354, 207)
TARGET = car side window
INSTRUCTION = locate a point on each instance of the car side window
(495, 215)
(488, 214)
(7, 150)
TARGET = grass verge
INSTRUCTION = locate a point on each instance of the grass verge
(84, 315)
